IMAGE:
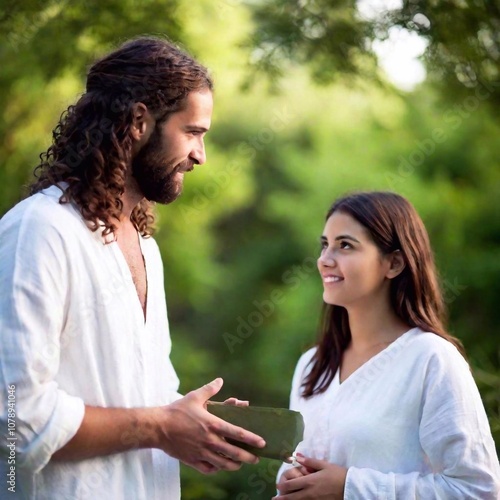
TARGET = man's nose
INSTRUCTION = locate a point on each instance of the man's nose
(198, 155)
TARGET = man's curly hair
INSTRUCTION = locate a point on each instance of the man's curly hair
(91, 145)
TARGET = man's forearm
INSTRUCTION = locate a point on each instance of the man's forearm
(184, 429)
(105, 431)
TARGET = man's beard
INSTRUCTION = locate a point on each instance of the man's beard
(155, 177)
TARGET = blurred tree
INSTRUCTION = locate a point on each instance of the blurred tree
(335, 39)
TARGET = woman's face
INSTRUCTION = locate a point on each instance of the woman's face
(353, 270)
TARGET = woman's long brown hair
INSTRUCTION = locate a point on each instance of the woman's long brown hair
(92, 146)
(415, 294)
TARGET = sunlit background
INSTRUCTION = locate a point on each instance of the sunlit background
(312, 99)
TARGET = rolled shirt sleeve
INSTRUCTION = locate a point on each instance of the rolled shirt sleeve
(33, 288)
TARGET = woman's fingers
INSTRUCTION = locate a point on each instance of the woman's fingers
(293, 473)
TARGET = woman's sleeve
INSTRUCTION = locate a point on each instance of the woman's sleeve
(455, 436)
(36, 417)
(298, 376)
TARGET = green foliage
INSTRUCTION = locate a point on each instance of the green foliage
(334, 38)
(328, 35)
(240, 245)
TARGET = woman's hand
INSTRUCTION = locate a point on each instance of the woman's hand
(293, 473)
(315, 480)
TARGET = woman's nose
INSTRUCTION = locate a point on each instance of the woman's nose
(326, 259)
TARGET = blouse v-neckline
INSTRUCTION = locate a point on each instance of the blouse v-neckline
(375, 364)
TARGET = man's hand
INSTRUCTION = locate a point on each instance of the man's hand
(183, 429)
(315, 480)
(191, 434)
(236, 402)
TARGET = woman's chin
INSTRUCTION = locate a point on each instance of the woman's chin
(331, 299)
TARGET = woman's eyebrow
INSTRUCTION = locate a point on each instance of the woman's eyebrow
(341, 237)
(346, 237)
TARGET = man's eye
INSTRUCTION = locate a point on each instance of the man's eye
(197, 132)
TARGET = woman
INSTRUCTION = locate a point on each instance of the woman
(390, 406)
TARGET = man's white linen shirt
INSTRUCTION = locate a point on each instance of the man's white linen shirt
(73, 333)
(408, 424)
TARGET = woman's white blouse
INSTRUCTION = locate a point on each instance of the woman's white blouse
(408, 424)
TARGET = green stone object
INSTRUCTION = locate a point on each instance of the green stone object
(282, 429)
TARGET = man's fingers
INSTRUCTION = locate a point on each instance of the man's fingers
(236, 402)
(223, 462)
(214, 461)
(235, 453)
(231, 452)
(226, 430)
(204, 467)
(204, 393)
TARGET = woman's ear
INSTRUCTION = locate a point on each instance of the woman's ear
(397, 264)
(142, 123)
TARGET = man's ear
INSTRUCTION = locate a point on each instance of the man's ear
(142, 123)
(397, 264)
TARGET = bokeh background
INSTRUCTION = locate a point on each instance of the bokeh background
(313, 99)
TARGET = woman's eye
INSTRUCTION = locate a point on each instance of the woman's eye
(345, 244)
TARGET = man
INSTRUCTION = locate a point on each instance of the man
(84, 358)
